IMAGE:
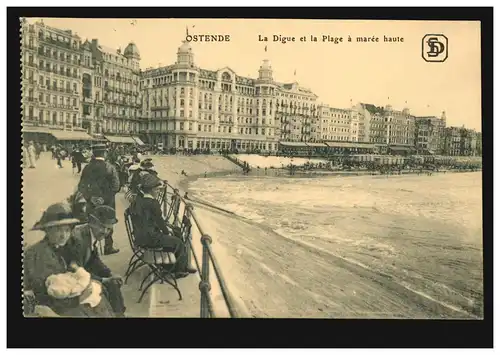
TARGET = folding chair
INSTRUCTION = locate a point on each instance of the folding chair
(135, 261)
(161, 264)
(162, 195)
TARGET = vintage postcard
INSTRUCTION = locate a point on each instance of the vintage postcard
(256, 168)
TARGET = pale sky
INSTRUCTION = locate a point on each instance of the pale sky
(337, 73)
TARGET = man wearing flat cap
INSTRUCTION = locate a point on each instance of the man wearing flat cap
(82, 248)
(99, 184)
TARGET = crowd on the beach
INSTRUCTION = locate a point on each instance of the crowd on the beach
(64, 274)
(385, 165)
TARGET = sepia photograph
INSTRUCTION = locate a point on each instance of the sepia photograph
(252, 168)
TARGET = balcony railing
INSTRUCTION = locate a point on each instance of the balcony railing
(181, 214)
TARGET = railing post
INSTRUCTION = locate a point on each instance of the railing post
(165, 195)
(205, 277)
(189, 236)
(175, 206)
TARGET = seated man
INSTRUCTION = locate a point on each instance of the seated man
(82, 248)
(145, 167)
(151, 229)
(47, 261)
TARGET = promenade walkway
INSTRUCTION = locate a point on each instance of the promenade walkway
(48, 184)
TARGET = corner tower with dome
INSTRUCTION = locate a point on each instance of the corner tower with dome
(194, 108)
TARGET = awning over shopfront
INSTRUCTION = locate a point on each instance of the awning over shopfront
(293, 144)
(30, 129)
(99, 137)
(349, 145)
(400, 149)
(429, 151)
(71, 135)
(121, 139)
(320, 145)
(138, 140)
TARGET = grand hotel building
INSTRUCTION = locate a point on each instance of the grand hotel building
(51, 77)
(189, 107)
(77, 91)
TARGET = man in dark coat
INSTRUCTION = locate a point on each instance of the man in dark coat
(99, 184)
(152, 231)
(83, 248)
(77, 159)
(60, 153)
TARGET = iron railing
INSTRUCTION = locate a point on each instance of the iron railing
(236, 161)
(181, 215)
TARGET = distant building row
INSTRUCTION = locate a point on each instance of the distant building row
(73, 85)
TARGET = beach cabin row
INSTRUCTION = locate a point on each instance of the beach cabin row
(323, 150)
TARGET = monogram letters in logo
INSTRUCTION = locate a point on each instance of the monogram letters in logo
(435, 48)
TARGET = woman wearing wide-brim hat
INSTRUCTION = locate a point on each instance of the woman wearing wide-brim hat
(50, 257)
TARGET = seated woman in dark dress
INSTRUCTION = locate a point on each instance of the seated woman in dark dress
(151, 230)
(48, 270)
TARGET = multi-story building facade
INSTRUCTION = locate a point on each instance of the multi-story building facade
(112, 101)
(385, 127)
(193, 108)
(92, 91)
(365, 112)
(337, 124)
(73, 86)
(51, 81)
(479, 144)
(452, 140)
(460, 141)
(400, 127)
(296, 111)
(429, 134)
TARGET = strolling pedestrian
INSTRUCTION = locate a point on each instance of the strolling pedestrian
(38, 150)
(60, 153)
(99, 184)
(31, 155)
(77, 159)
(26, 160)
(53, 151)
